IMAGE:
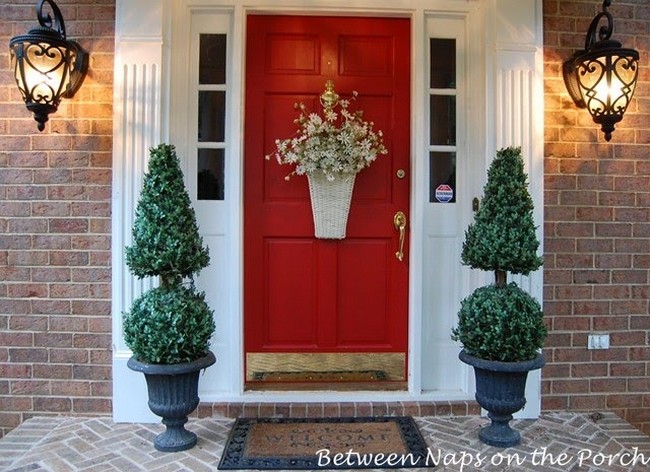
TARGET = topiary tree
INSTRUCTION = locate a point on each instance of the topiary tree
(502, 237)
(502, 322)
(166, 239)
(172, 323)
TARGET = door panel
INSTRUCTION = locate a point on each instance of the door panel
(303, 295)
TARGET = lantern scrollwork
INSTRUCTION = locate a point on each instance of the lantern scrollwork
(603, 76)
(47, 66)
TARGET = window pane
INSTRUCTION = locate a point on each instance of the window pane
(442, 181)
(212, 59)
(443, 63)
(210, 174)
(212, 113)
(442, 110)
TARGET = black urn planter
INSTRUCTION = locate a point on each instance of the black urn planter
(500, 389)
(173, 394)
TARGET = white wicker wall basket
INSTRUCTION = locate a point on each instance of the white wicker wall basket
(330, 204)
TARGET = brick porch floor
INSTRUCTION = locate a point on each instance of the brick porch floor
(62, 444)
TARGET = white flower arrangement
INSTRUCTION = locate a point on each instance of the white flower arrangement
(334, 144)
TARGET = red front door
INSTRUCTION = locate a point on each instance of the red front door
(307, 295)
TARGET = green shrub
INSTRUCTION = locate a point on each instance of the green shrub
(166, 239)
(169, 326)
(500, 324)
(502, 236)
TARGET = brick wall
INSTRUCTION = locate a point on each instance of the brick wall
(597, 227)
(55, 191)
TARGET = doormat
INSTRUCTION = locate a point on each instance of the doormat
(322, 376)
(325, 443)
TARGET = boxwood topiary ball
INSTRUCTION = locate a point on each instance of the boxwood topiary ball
(500, 324)
(169, 326)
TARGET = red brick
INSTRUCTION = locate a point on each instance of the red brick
(52, 176)
(52, 371)
(613, 261)
(67, 192)
(607, 385)
(92, 405)
(569, 386)
(52, 307)
(50, 209)
(555, 402)
(30, 387)
(571, 355)
(632, 369)
(68, 356)
(93, 372)
(68, 225)
(93, 274)
(594, 214)
(91, 307)
(640, 322)
(96, 209)
(68, 258)
(634, 246)
(608, 292)
(54, 404)
(69, 290)
(571, 229)
(624, 401)
(613, 354)
(71, 389)
(614, 199)
(630, 307)
(53, 339)
(589, 370)
(613, 229)
(628, 338)
(27, 323)
(592, 308)
(15, 403)
(560, 182)
(630, 276)
(610, 323)
(639, 385)
(582, 277)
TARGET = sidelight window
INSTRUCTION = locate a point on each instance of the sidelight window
(211, 117)
(442, 120)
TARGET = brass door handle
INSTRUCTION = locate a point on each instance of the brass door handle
(399, 220)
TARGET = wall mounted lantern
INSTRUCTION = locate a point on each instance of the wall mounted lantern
(602, 77)
(47, 66)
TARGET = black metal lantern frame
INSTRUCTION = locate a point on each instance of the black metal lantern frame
(47, 66)
(603, 76)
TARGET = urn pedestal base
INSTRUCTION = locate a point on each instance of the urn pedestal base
(500, 389)
(173, 394)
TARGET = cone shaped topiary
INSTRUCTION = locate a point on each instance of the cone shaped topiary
(502, 236)
(172, 323)
(502, 322)
(166, 239)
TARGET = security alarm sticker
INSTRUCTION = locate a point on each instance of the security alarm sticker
(444, 193)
